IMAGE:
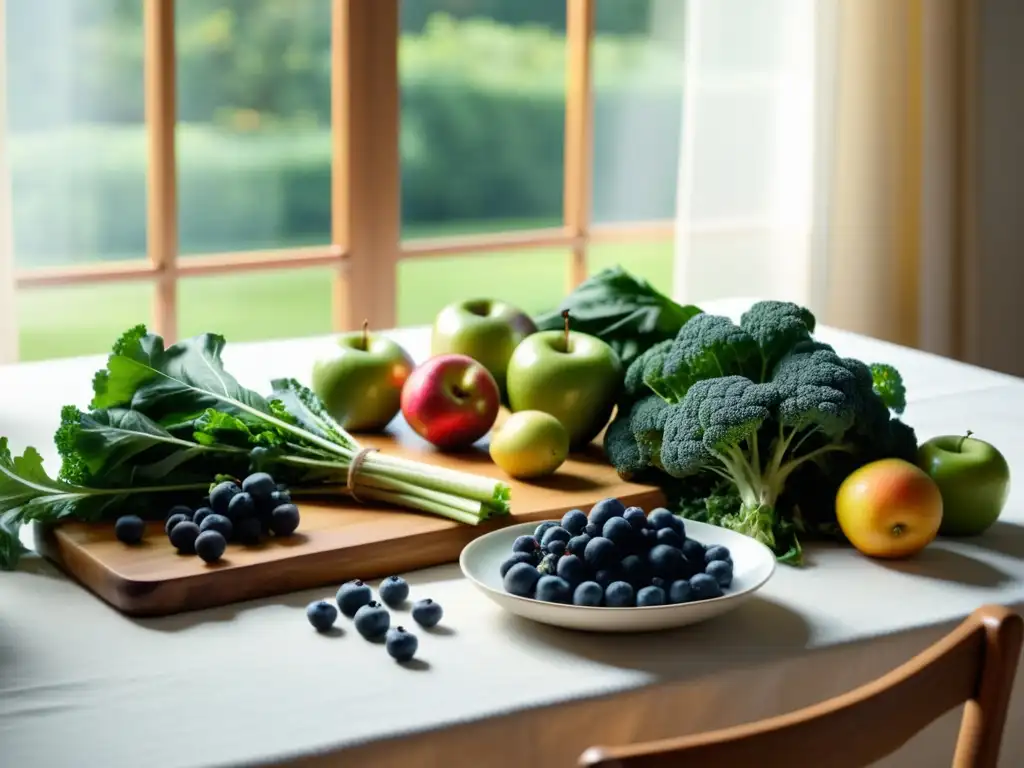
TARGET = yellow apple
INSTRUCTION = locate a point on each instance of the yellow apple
(889, 509)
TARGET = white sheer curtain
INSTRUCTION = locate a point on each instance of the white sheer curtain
(8, 312)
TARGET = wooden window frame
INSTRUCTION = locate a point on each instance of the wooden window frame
(366, 244)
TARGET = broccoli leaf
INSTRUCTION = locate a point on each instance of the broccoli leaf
(888, 385)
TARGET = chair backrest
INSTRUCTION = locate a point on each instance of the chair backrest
(975, 663)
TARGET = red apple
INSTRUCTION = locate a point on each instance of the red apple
(450, 400)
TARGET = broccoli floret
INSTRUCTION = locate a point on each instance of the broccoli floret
(620, 447)
(888, 385)
(647, 422)
(635, 386)
(777, 326)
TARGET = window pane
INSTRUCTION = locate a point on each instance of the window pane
(638, 69)
(483, 115)
(649, 260)
(79, 320)
(253, 306)
(75, 126)
(254, 138)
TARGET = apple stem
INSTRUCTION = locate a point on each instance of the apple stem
(960, 445)
(565, 316)
(366, 334)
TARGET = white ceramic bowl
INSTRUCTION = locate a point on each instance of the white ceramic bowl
(753, 565)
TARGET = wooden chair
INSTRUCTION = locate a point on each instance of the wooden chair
(975, 663)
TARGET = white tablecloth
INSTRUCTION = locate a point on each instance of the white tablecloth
(81, 685)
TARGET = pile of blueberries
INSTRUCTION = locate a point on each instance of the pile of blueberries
(616, 557)
(240, 512)
(372, 620)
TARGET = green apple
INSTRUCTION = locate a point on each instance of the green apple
(973, 478)
(573, 376)
(361, 381)
(486, 330)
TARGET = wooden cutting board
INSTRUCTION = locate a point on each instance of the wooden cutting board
(334, 542)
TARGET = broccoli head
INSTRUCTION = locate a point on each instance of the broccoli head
(777, 326)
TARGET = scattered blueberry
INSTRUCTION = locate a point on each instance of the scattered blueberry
(605, 510)
(426, 612)
(372, 620)
(722, 572)
(589, 593)
(593, 530)
(666, 561)
(693, 550)
(634, 570)
(393, 591)
(184, 535)
(574, 521)
(525, 544)
(259, 485)
(635, 517)
(240, 506)
(704, 587)
(284, 520)
(517, 557)
(548, 565)
(619, 594)
(201, 514)
(660, 518)
(717, 552)
(181, 509)
(217, 523)
(600, 553)
(129, 529)
(556, 548)
(521, 579)
(353, 595)
(248, 531)
(553, 589)
(557, 533)
(572, 569)
(321, 615)
(618, 531)
(210, 545)
(680, 592)
(401, 645)
(649, 596)
(221, 496)
(577, 545)
(538, 534)
(172, 521)
(671, 537)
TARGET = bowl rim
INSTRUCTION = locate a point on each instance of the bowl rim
(632, 610)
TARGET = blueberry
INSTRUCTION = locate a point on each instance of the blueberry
(538, 534)
(606, 576)
(259, 485)
(172, 521)
(577, 545)
(548, 565)
(284, 520)
(184, 535)
(426, 612)
(556, 548)
(619, 594)
(525, 544)
(721, 570)
(634, 570)
(574, 521)
(553, 589)
(619, 531)
(704, 587)
(659, 582)
(671, 537)
(521, 579)
(321, 615)
(353, 595)
(716, 553)
(393, 591)
(600, 553)
(680, 592)
(693, 550)
(589, 593)
(201, 514)
(660, 518)
(280, 497)
(372, 620)
(517, 557)
(558, 533)
(605, 510)
(210, 546)
(401, 645)
(635, 517)
(129, 529)
(648, 538)
(217, 523)
(572, 569)
(181, 509)
(649, 596)
(666, 561)
(240, 506)
(248, 531)
(221, 496)
(593, 530)
(679, 526)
